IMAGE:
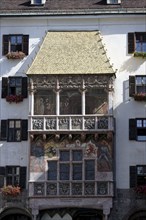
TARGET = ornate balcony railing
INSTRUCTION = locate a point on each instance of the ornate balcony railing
(71, 188)
(71, 123)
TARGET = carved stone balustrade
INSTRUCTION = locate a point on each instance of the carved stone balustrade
(69, 188)
(71, 123)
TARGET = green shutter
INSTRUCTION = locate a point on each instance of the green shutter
(5, 44)
(3, 130)
(4, 87)
(24, 87)
(131, 86)
(24, 130)
(25, 44)
(133, 176)
(132, 129)
(22, 182)
(131, 42)
(2, 175)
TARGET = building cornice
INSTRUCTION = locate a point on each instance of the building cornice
(34, 13)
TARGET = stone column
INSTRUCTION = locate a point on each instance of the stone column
(106, 212)
(83, 92)
(35, 212)
(31, 102)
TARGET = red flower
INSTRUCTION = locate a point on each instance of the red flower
(10, 190)
(14, 98)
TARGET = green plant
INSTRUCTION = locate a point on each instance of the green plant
(140, 54)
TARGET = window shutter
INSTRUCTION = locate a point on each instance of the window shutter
(24, 130)
(3, 130)
(131, 86)
(133, 179)
(5, 44)
(24, 87)
(4, 87)
(25, 44)
(22, 177)
(131, 42)
(132, 129)
(2, 175)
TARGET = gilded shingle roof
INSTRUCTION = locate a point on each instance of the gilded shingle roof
(78, 52)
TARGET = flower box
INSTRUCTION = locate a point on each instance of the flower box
(140, 54)
(14, 98)
(15, 55)
(10, 191)
(140, 97)
(140, 189)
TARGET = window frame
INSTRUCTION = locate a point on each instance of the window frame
(136, 178)
(23, 130)
(82, 160)
(42, 2)
(14, 131)
(134, 129)
(133, 85)
(113, 2)
(132, 42)
(7, 44)
(22, 176)
(6, 86)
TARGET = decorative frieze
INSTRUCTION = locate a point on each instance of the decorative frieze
(71, 82)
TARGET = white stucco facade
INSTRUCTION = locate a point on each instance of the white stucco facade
(114, 31)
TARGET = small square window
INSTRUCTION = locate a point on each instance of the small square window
(14, 130)
(15, 43)
(137, 43)
(137, 87)
(113, 1)
(38, 2)
(14, 89)
(12, 176)
(137, 129)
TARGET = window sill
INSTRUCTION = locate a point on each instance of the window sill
(15, 55)
(14, 98)
(140, 54)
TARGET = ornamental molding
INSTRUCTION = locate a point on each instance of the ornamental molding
(82, 82)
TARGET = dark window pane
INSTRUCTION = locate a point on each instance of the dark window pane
(77, 155)
(11, 134)
(64, 156)
(96, 101)
(52, 170)
(77, 171)
(15, 85)
(9, 170)
(70, 102)
(45, 103)
(140, 42)
(64, 171)
(9, 180)
(16, 181)
(14, 130)
(16, 43)
(89, 169)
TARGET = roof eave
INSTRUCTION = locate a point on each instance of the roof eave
(118, 11)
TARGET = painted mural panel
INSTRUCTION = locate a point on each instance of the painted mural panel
(99, 149)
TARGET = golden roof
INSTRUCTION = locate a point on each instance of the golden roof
(71, 52)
